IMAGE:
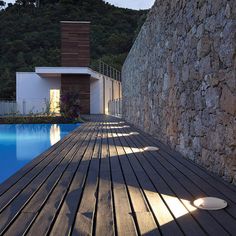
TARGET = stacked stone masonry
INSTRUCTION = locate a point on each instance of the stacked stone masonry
(179, 80)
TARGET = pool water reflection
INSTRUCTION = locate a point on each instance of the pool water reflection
(19, 144)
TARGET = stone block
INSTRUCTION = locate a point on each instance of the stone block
(206, 157)
(212, 97)
(200, 31)
(185, 73)
(227, 10)
(198, 101)
(228, 101)
(204, 46)
(205, 66)
(210, 24)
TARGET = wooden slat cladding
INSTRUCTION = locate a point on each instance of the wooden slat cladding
(80, 84)
(75, 44)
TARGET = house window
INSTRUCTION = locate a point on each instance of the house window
(55, 101)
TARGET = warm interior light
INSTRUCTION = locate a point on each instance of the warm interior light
(55, 101)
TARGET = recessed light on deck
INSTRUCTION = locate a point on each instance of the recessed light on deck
(121, 122)
(210, 203)
(126, 126)
(134, 133)
(151, 148)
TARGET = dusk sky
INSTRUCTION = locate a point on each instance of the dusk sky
(133, 4)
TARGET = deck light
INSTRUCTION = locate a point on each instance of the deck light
(210, 203)
(134, 133)
(151, 148)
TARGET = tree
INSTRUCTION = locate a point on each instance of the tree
(30, 37)
(20, 61)
(66, 1)
(2, 4)
(25, 3)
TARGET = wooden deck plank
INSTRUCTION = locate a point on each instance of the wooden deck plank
(21, 228)
(66, 216)
(215, 181)
(138, 201)
(185, 197)
(200, 188)
(16, 189)
(28, 167)
(98, 181)
(48, 213)
(125, 224)
(86, 211)
(104, 216)
(69, 163)
(159, 208)
(9, 212)
(44, 192)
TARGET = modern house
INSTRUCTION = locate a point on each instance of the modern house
(40, 91)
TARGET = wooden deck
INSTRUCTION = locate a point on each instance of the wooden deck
(99, 181)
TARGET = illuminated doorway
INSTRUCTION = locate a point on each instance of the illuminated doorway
(55, 101)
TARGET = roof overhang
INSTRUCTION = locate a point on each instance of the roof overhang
(56, 72)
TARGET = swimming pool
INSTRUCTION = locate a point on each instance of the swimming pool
(21, 143)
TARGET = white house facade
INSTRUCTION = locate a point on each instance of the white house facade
(39, 91)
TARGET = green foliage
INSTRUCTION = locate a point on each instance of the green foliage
(70, 104)
(30, 34)
(38, 120)
(2, 4)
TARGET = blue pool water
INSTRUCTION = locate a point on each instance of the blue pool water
(19, 144)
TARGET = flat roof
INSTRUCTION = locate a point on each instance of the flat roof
(58, 71)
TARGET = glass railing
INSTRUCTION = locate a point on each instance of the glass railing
(105, 69)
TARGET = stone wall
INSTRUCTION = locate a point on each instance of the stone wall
(179, 80)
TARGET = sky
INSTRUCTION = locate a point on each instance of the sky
(133, 4)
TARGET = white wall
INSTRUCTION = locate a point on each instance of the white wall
(116, 89)
(96, 96)
(112, 91)
(108, 92)
(34, 91)
(99, 97)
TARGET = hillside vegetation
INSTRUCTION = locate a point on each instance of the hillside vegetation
(30, 34)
